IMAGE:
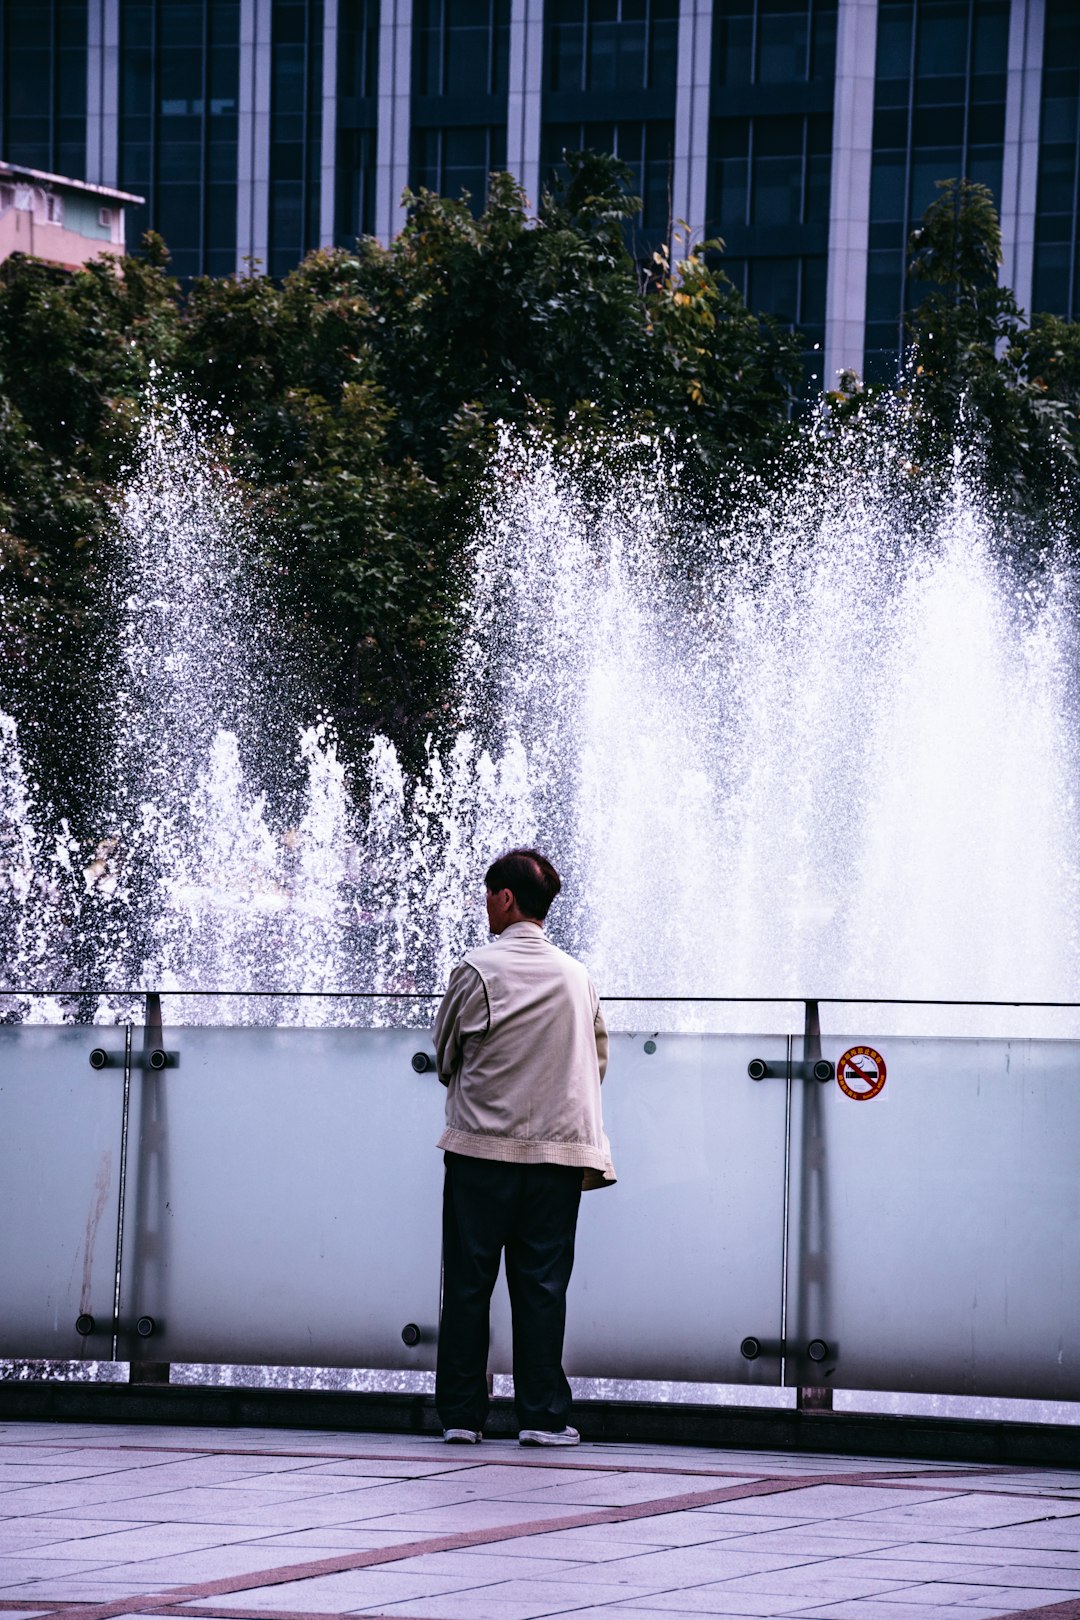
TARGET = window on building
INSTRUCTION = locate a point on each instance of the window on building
(179, 78)
(770, 168)
(647, 148)
(610, 72)
(773, 42)
(939, 114)
(1057, 247)
(454, 160)
(357, 115)
(461, 47)
(461, 63)
(296, 56)
(603, 45)
(43, 84)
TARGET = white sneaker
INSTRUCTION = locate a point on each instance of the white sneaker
(549, 1437)
(462, 1437)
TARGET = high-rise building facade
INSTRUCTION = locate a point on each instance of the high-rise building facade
(807, 134)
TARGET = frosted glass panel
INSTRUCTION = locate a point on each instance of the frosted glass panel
(60, 1127)
(682, 1260)
(936, 1226)
(284, 1198)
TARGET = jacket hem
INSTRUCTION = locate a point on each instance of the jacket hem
(519, 1150)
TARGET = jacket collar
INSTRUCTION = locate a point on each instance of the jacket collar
(520, 930)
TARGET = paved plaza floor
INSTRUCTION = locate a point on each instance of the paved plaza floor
(102, 1522)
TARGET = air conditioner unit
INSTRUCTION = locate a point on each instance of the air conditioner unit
(105, 218)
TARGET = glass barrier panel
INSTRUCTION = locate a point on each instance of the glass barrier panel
(935, 1218)
(284, 1199)
(60, 1137)
(682, 1260)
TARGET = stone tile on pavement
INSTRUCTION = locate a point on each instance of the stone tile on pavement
(466, 1516)
(978, 1512)
(803, 1582)
(1003, 1599)
(489, 1564)
(18, 1534)
(19, 1567)
(70, 1497)
(634, 1611)
(283, 1599)
(327, 1539)
(376, 1589)
(617, 1490)
(176, 1507)
(90, 1588)
(833, 1541)
(735, 1606)
(148, 1541)
(880, 1609)
(946, 1554)
(1060, 1535)
(689, 1566)
(525, 1477)
(1064, 1581)
(506, 1600)
(15, 1475)
(381, 1467)
(591, 1545)
(843, 1501)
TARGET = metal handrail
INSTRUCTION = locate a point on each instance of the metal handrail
(436, 995)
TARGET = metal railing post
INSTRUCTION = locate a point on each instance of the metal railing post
(813, 1259)
(148, 1242)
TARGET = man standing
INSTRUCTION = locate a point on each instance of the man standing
(522, 1048)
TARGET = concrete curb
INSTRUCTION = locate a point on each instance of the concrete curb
(654, 1423)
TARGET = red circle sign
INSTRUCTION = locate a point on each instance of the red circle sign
(861, 1073)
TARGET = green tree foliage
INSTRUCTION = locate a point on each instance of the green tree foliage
(977, 374)
(364, 392)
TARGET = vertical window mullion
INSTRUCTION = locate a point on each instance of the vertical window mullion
(204, 134)
(969, 66)
(1071, 312)
(586, 46)
(53, 4)
(754, 36)
(646, 78)
(748, 205)
(155, 104)
(912, 59)
(440, 78)
(305, 103)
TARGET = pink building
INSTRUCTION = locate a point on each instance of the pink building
(64, 222)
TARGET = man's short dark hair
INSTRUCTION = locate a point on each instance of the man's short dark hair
(529, 876)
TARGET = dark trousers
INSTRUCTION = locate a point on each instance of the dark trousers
(530, 1211)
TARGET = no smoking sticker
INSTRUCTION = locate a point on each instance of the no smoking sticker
(861, 1073)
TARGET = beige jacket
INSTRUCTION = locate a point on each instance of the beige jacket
(522, 1047)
